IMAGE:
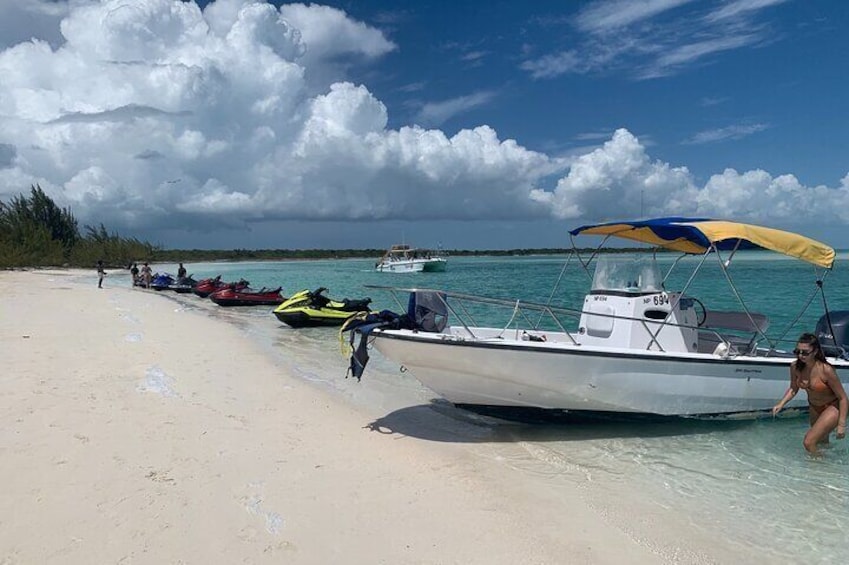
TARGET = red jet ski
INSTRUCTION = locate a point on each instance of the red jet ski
(205, 287)
(246, 296)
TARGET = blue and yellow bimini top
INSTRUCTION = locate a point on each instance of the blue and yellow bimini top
(699, 235)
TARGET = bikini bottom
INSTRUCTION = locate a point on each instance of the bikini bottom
(818, 410)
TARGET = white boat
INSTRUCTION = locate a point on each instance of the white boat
(406, 259)
(634, 347)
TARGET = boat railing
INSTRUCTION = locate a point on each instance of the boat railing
(714, 328)
(533, 314)
(458, 304)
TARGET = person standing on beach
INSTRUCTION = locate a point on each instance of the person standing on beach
(827, 399)
(101, 272)
(181, 272)
(134, 272)
(147, 275)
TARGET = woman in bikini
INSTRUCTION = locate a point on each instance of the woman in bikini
(826, 398)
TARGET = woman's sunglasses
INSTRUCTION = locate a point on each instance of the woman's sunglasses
(803, 352)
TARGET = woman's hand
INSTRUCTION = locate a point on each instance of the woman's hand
(776, 409)
(841, 431)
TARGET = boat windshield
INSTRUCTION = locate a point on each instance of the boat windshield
(627, 273)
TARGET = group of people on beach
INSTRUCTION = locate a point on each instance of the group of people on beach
(144, 276)
(141, 277)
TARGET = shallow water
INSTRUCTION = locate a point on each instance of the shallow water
(749, 484)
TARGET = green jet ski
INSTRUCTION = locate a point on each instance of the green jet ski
(309, 308)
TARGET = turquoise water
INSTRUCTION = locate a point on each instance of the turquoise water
(749, 485)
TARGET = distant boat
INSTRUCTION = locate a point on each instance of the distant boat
(406, 259)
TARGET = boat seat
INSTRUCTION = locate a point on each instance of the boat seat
(735, 321)
(717, 323)
(429, 310)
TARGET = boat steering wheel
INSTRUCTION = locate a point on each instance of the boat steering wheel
(700, 320)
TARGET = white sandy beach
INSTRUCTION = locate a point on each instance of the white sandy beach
(139, 432)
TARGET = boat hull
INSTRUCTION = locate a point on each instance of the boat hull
(207, 287)
(246, 297)
(435, 266)
(246, 302)
(181, 288)
(405, 259)
(309, 318)
(412, 266)
(562, 376)
(310, 308)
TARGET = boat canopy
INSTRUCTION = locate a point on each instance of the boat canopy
(698, 235)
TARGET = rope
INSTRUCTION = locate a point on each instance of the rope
(510, 321)
(345, 346)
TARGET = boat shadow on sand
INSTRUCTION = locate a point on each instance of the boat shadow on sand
(442, 421)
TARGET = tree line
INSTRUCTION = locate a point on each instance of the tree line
(35, 232)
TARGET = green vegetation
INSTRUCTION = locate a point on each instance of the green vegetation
(35, 232)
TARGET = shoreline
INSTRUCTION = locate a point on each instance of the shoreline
(141, 431)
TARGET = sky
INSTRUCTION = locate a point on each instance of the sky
(461, 124)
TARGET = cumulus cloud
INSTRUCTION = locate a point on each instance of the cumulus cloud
(620, 180)
(334, 42)
(156, 107)
(7, 153)
(155, 113)
(331, 33)
(33, 19)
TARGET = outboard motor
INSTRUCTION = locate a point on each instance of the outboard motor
(834, 340)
